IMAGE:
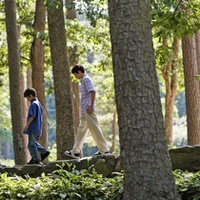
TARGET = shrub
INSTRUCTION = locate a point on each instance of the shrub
(62, 184)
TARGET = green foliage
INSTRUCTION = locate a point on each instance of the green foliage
(188, 184)
(53, 3)
(172, 19)
(94, 10)
(71, 184)
(175, 18)
(62, 184)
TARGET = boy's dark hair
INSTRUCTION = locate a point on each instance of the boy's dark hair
(30, 91)
(77, 68)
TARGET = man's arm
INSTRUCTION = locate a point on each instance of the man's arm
(91, 108)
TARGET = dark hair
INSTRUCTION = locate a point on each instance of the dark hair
(77, 68)
(30, 91)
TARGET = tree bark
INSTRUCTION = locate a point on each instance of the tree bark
(24, 114)
(170, 75)
(61, 74)
(37, 61)
(73, 60)
(114, 131)
(197, 41)
(143, 149)
(14, 78)
(191, 89)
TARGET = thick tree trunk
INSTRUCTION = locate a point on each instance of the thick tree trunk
(61, 74)
(37, 61)
(171, 80)
(14, 78)
(191, 90)
(144, 154)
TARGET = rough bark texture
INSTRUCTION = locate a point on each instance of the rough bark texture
(147, 167)
(170, 75)
(73, 60)
(37, 61)
(24, 114)
(191, 90)
(114, 131)
(14, 78)
(61, 74)
(197, 40)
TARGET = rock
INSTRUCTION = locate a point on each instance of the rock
(103, 165)
(185, 158)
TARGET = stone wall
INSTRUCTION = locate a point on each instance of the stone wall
(184, 158)
(104, 165)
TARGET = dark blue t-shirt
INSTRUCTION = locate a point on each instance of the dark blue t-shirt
(35, 110)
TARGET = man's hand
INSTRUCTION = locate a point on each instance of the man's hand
(26, 127)
(90, 110)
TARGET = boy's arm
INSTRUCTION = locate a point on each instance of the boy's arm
(91, 108)
(28, 123)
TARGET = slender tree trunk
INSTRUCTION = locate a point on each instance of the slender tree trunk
(191, 89)
(61, 74)
(171, 80)
(14, 78)
(24, 114)
(144, 154)
(73, 59)
(76, 106)
(197, 41)
(37, 61)
(29, 85)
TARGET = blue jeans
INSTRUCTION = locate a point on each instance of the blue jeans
(34, 146)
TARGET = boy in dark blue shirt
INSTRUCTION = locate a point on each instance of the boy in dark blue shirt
(33, 127)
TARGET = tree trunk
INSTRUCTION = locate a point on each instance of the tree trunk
(76, 106)
(73, 60)
(144, 154)
(37, 61)
(14, 78)
(171, 79)
(61, 74)
(24, 114)
(114, 131)
(197, 41)
(191, 89)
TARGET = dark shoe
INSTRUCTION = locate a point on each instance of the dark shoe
(98, 153)
(32, 162)
(72, 155)
(44, 155)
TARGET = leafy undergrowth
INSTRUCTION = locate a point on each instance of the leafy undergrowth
(62, 184)
(188, 184)
(83, 185)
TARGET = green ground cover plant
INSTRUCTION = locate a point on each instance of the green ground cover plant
(188, 184)
(62, 184)
(83, 185)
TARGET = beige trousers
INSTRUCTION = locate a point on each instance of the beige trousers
(89, 122)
